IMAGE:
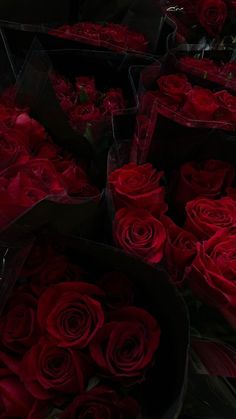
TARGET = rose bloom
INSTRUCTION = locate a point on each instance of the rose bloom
(209, 178)
(204, 65)
(48, 370)
(18, 323)
(212, 273)
(102, 402)
(204, 217)
(86, 89)
(113, 101)
(175, 86)
(15, 401)
(71, 313)
(138, 233)
(200, 104)
(227, 104)
(138, 186)
(125, 347)
(212, 15)
(180, 250)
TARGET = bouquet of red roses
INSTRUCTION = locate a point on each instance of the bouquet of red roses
(88, 341)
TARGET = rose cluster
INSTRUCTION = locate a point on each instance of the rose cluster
(89, 110)
(219, 72)
(33, 167)
(201, 250)
(70, 344)
(177, 95)
(210, 16)
(110, 35)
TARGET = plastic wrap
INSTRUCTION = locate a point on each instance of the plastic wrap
(167, 379)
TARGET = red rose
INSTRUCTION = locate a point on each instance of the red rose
(62, 86)
(86, 89)
(102, 402)
(206, 216)
(200, 104)
(15, 401)
(48, 370)
(125, 347)
(227, 110)
(11, 149)
(212, 274)
(138, 186)
(118, 290)
(175, 86)
(87, 116)
(180, 249)
(204, 65)
(71, 313)
(48, 151)
(113, 101)
(140, 234)
(212, 15)
(33, 130)
(209, 178)
(18, 324)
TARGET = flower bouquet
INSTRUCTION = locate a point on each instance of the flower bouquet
(95, 334)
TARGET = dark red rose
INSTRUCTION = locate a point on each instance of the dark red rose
(200, 104)
(18, 324)
(209, 178)
(118, 290)
(227, 103)
(207, 216)
(62, 86)
(180, 249)
(15, 401)
(48, 370)
(201, 65)
(76, 182)
(113, 101)
(71, 313)
(34, 131)
(87, 116)
(102, 402)
(86, 89)
(175, 86)
(136, 42)
(212, 274)
(137, 232)
(125, 347)
(138, 186)
(11, 150)
(212, 15)
(47, 151)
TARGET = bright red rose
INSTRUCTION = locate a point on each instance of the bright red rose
(18, 323)
(212, 274)
(102, 402)
(207, 216)
(212, 15)
(48, 370)
(175, 86)
(180, 249)
(125, 347)
(227, 102)
(209, 178)
(71, 313)
(118, 290)
(137, 232)
(138, 186)
(15, 401)
(200, 104)
(113, 101)
(86, 89)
